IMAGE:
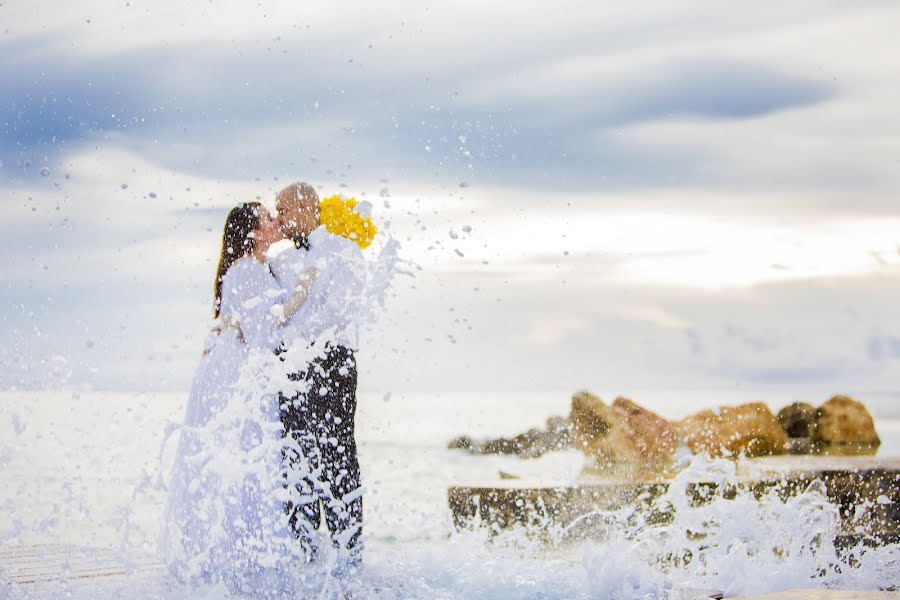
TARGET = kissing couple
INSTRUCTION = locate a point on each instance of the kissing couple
(267, 444)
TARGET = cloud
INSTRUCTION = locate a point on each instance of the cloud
(578, 112)
(629, 175)
(881, 348)
(551, 329)
(603, 92)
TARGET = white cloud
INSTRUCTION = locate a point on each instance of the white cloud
(655, 315)
(549, 329)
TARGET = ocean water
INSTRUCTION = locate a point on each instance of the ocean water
(89, 469)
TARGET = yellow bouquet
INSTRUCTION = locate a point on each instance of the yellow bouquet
(339, 218)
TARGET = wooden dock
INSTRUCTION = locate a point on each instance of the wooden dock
(46, 563)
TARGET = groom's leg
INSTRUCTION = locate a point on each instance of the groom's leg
(344, 513)
(300, 424)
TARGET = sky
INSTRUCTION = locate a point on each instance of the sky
(598, 195)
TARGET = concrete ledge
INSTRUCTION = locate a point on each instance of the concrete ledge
(849, 482)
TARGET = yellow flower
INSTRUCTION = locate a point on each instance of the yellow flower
(339, 218)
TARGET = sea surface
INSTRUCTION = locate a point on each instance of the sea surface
(89, 469)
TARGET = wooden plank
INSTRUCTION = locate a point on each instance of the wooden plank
(44, 563)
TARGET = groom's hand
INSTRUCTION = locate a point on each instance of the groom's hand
(309, 275)
(305, 281)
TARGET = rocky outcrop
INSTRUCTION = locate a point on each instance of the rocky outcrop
(798, 419)
(748, 429)
(843, 420)
(626, 439)
(623, 434)
(531, 444)
(627, 434)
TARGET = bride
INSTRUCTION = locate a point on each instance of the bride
(224, 519)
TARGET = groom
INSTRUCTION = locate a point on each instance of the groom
(321, 419)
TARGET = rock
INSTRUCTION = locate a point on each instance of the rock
(531, 444)
(621, 435)
(798, 419)
(843, 420)
(462, 442)
(625, 439)
(514, 445)
(748, 429)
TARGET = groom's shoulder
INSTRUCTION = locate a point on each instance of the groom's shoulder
(331, 243)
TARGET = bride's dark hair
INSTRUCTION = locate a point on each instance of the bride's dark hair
(236, 242)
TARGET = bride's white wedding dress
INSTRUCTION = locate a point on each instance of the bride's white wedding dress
(224, 518)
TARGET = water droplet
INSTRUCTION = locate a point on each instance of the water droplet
(152, 194)
(427, 148)
(463, 184)
(45, 172)
(124, 186)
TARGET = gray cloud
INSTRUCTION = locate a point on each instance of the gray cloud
(273, 111)
(881, 348)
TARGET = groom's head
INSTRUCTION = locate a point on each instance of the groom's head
(298, 210)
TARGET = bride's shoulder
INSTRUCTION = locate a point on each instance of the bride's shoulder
(246, 267)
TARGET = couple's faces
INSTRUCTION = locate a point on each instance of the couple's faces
(268, 231)
(298, 218)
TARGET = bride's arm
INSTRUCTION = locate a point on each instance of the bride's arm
(301, 293)
(258, 308)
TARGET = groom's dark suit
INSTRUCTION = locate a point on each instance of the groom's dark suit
(322, 421)
(322, 467)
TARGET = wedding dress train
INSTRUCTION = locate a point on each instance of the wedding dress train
(224, 519)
